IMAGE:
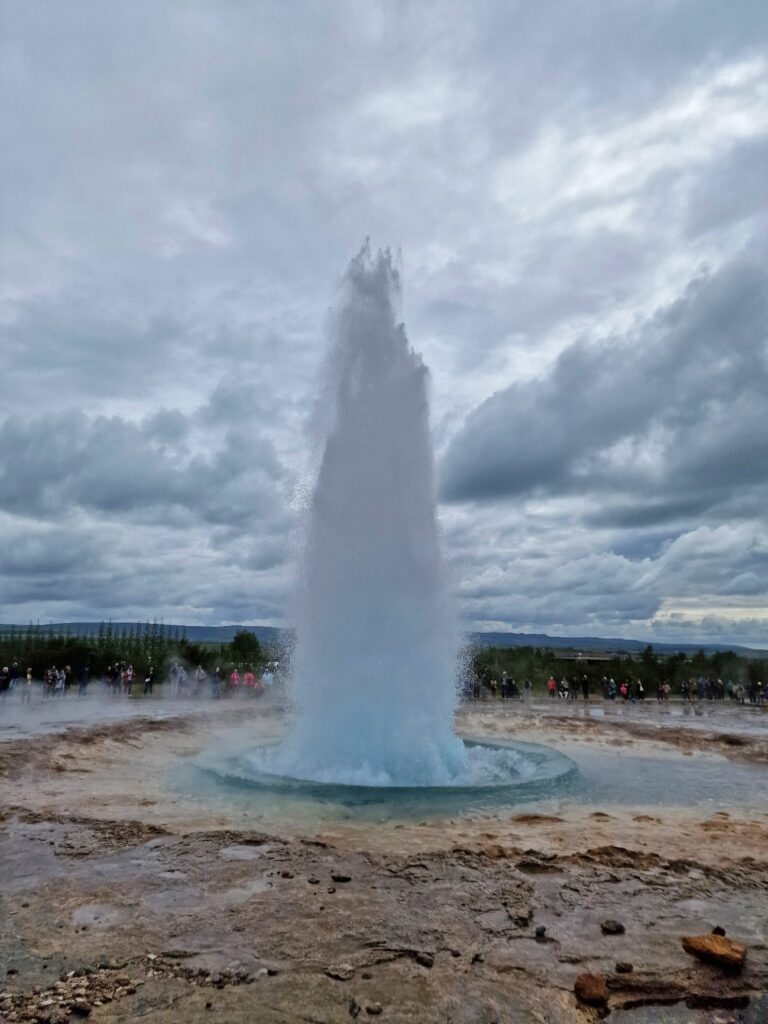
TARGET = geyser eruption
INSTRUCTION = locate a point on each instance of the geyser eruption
(375, 659)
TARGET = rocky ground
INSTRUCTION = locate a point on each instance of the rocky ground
(123, 899)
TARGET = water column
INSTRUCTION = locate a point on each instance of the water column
(375, 660)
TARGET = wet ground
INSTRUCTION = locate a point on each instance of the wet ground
(174, 897)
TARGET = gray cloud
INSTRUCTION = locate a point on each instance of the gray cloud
(579, 193)
(670, 414)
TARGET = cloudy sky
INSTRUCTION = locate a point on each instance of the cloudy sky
(580, 193)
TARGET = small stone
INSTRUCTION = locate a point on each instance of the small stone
(424, 958)
(338, 876)
(366, 975)
(272, 972)
(540, 933)
(341, 972)
(286, 874)
(717, 950)
(478, 958)
(622, 967)
(208, 1005)
(313, 881)
(718, 930)
(591, 989)
(81, 1008)
(331, 889)
(374, 1009)
(122, 979)
(354, 1008)
(611, 927)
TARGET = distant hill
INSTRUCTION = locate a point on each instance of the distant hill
(274, 636)
(196, 634)
(604, 644)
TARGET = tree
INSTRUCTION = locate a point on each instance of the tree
(245, 647)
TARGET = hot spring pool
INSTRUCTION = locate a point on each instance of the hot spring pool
(497, 774)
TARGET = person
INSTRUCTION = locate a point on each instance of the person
(248, 681)
(67, 678)
(666, 689)
(611, 689)
(504, 684)
(13, 676)
(684, 691)
(268, 678)
(5, 682)
(585, 687)
(26, 697)
(234, 680)
(216, 682)
(149, 680)
(200, 677)
(527, 687)
(58, 683)
(564, 688)
(551, 686)
(84, 677)
(624, 691)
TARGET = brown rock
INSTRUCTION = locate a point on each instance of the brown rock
(591, 989)
(494, 851)
(717, 950)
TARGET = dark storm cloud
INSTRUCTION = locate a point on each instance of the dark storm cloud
(183, 184)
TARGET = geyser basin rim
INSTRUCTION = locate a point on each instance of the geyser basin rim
(547, 765)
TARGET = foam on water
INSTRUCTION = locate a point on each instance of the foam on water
(375, 659)
(484, 765)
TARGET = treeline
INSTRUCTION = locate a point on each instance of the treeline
(142, 645)
(651, 669)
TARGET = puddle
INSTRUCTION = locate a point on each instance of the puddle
(96, 915)
(242, 852)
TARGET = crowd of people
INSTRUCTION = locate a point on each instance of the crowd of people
(579, 686)
(122, 679)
